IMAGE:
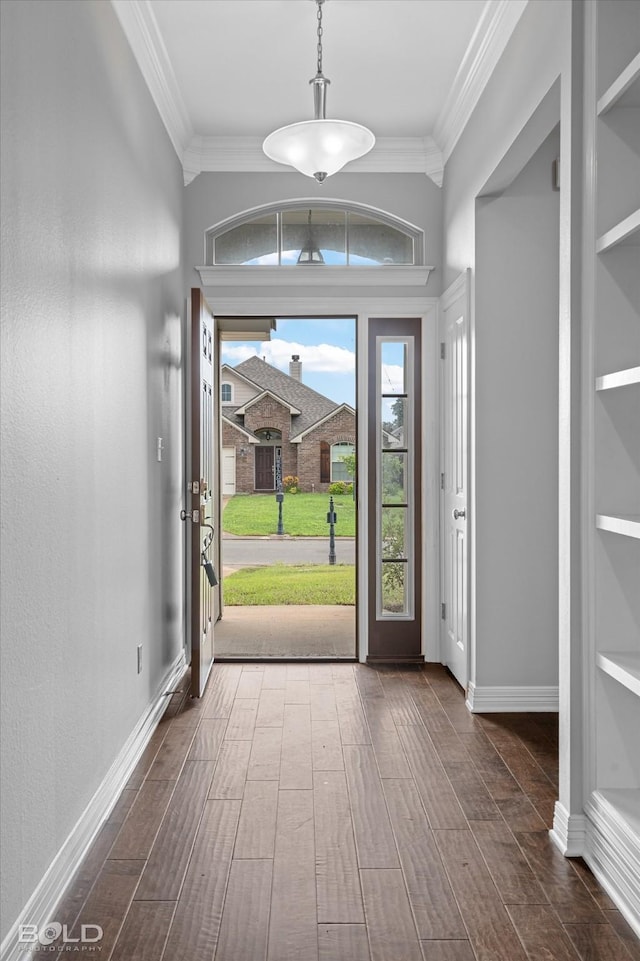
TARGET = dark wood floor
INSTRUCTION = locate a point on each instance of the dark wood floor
(340, 813)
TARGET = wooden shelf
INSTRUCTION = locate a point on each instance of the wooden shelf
(618, 378)
(627, 524)
(623, 667)
(625, 89)
(628, 230)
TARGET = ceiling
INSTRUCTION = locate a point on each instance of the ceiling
(225, 73)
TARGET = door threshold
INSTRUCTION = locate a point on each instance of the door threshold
(248, 659)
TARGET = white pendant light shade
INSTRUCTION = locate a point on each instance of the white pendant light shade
(319, 148)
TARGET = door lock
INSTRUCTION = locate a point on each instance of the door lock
(457, 513)
(192, 515)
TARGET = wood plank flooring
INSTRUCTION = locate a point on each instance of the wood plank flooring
(337, 812)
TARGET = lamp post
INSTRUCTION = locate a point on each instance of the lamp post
(279, 500)
(331, 521)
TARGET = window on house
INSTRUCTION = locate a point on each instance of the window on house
(339, 470)
(226, 393)
(323, 234)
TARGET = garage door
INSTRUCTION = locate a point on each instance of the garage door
(228, 471)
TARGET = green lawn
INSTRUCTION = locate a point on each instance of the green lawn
(303, 515)
(291, 584)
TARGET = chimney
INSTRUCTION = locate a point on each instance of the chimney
(295, 367)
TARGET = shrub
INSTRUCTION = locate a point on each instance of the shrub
(341, 487)
(290, 484)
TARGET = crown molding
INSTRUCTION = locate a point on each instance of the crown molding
(141, 30)
(245, 155)
(497, 23)
(426, 155)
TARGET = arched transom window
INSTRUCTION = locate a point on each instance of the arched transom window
(314, 233)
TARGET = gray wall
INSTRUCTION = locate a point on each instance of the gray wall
(213, 197)
(92, 299)
(516, 449)
(518, 305)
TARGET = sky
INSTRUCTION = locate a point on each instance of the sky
(327, 350)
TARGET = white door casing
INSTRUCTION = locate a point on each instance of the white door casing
(454, 478)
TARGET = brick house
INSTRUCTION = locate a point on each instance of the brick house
(274, 426)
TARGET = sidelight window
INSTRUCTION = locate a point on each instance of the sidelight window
(395, 508)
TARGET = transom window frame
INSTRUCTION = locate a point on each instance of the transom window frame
(392, 275)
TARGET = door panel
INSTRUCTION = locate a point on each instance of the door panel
(264, 468)
(200, 493)
(454, 478)
(395, 445)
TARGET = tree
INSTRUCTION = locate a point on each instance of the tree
(349, 461)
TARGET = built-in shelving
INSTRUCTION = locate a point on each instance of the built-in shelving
(612, 320)
(624, 91)
(618, 378)
(627, 524)
(624, 805)
(623, 667)
(626, 231)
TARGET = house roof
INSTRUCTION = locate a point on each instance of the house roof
(238, 424)
(313, 406)
(261, 396)
(298, 437)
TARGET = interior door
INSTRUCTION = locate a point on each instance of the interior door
(199, 512)
(454, 480)
(264, 468)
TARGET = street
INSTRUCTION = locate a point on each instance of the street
(262, 551)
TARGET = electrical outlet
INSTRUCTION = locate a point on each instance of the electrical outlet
(139, 658)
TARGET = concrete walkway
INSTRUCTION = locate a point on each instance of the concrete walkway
(287, 631)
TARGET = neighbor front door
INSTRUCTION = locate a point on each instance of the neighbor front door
(264, 469)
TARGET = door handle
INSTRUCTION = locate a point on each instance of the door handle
(457, 513)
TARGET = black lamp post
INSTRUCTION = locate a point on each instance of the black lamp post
(279, 500)
(331, 520)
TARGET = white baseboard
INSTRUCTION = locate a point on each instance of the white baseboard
(489, 700)
(44, 900)
(612, 852)
(569, 832)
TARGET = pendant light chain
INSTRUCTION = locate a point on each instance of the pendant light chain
(318, 147)
(319, 2)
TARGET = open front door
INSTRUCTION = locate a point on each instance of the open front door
(199, 513)
(454, 481)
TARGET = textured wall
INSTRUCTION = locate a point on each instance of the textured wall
(91, 352)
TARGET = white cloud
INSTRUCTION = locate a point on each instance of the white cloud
(321, 358)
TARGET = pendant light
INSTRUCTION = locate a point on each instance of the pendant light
(319, 147)
(310, 253)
